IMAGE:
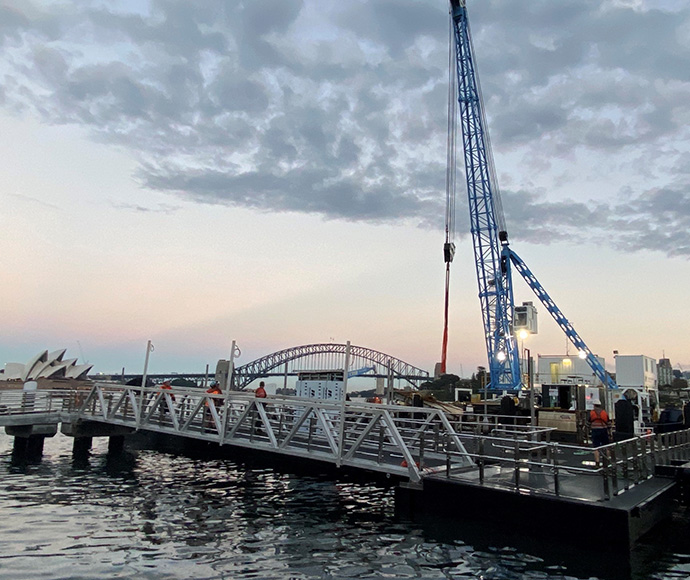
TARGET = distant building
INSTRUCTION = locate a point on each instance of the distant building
(664, 372)
(326, 384)
(46, 365)
(636, 370)
(565, 370)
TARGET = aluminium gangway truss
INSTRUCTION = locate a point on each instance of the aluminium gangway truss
(392, 439)
(410, 443)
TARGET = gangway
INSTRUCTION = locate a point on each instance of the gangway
(471, 465)
(414, 444)
(374, 437)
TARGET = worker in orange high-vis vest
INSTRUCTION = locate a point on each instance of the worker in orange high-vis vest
(166, 386)
(214, 389)
(599, 424)
(260, 393)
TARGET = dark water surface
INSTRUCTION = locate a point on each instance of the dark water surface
(156, 515)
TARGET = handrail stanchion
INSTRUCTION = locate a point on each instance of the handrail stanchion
(614, 464)
(229, 382)
(516, 451)
(605, 474)
(552, 458)
(481, 460)
(636, 462)
(379, 459)
(341, 429)
(140, 416)
(643, 460)
(626, 458)
(421, 449)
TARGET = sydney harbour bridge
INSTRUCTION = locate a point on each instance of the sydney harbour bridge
(290, 362)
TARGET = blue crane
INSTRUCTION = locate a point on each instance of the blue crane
(360, 372)
(492, 254)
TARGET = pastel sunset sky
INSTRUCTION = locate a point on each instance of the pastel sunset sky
(273, 172)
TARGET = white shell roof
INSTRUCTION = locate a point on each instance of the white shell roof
(46, 365)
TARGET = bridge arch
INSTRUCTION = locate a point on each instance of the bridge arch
(326, 356)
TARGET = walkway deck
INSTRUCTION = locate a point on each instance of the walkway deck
(424, 448)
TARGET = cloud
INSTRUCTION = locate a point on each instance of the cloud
(161, 208)
(656, 220)
(339, 108)
(33, 200)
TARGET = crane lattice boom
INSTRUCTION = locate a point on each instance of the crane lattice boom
(492, 254)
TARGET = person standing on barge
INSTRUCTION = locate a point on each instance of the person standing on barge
(599, 423)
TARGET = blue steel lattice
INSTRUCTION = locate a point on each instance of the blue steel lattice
(559, 317)
(493, 277)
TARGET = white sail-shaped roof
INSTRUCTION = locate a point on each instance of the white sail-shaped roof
(56, 355)
(38, 369)
(59, 370)
(13, 371)
(46, 365)
(78, 371)
(28, 368)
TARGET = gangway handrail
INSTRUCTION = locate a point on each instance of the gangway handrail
(408, 442)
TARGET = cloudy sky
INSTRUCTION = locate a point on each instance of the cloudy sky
(273, 172)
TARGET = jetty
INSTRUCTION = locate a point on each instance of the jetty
(468, 465)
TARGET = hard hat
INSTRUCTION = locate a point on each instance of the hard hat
(596, 402)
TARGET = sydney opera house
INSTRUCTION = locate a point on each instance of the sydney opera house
(46, 365)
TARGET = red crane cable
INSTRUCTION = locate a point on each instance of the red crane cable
(449, 246)
(444, 348)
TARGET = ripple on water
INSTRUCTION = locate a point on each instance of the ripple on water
(158, 516)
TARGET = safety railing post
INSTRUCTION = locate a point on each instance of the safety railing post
(552, 459)
(379, 459)
(644, 467)
(516, 451)
(341, 426)
(481, 460)
(614, 468)
(421, 449)
(626, 458)
(605, 475)
(311, 434)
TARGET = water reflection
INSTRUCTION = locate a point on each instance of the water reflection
(155, 515)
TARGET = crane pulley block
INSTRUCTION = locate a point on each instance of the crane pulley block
(448, 252)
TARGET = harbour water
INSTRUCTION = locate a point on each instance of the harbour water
(153, 515)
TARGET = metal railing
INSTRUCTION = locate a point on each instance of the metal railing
(410, 442)
(37, 406)
(389, 439)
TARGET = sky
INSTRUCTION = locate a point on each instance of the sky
(273, 172)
